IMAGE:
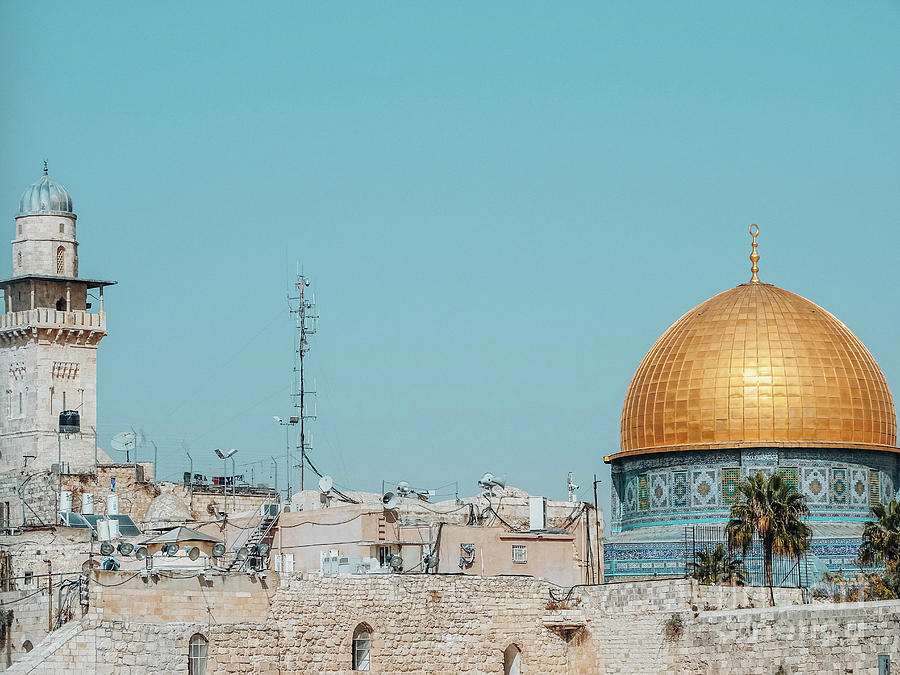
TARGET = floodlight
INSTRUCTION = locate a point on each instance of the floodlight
(218, 550)
(242, 553)
(141, 552)
(106, 548)
(125, 548)
(170, 549)
(389, 500)
(193, 552)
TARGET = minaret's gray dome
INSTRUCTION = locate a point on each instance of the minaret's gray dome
(46, 197)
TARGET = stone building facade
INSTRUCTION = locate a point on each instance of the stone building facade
(454, 624)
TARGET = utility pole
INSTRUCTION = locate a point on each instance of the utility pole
(303, 307)
(49, 595)
(597, 525)
(275, 464)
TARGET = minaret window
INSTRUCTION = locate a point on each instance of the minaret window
(19, 262)
(62, 228)
(60, 260)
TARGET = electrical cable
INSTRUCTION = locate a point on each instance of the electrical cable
(100, 583)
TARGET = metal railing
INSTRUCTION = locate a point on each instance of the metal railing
(700, 542)
(41, 317)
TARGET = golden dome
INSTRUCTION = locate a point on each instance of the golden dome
(757, 366)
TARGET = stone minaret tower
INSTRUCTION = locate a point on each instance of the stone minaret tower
(49, 334)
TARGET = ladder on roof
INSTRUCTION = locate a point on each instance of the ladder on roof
(261, 534)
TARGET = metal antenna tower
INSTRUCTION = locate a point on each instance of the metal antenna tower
(303, 307)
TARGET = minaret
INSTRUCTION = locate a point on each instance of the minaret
(49, 334)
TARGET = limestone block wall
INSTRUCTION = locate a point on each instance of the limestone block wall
(37, 375)
(455, 624)
(205, 504)
(29, 622)
(420, 623)
(810, 639)
(134, 488)
(37, 239)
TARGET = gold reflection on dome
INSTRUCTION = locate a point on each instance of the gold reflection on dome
(757, 366)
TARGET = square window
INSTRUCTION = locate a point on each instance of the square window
(519, 554)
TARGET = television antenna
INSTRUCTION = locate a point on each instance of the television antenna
(570, 485)
(303, 308)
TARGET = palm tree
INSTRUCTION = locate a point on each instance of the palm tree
(770, 510)
(714, 566)
(881, 538)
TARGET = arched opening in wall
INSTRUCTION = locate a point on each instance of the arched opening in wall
(362, 647)
(512, 661)
(60, 260)
(27, 646)
(197, 650)
(61, 305)
(19, 264)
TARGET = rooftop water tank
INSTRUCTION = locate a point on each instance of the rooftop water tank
(69, 422)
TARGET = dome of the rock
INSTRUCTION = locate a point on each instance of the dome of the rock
(757, 365)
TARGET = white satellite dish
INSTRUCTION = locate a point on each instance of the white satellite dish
(124, 442)
(489, 481)
(127, 440)
(325, 484)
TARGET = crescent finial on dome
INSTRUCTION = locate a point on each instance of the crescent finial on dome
(754, 256)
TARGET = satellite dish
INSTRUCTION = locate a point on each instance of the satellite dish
(325, 484)
(141, 552)
(170, 549)
(429, 561)
(218, 550)
(125, 548)
(489, 481)
(242, 553)
(193, 552)
(123, 442)
(396, 563)
(389, 501)
(106, 548)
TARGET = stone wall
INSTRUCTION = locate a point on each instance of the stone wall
(456, 624)
(29, 622)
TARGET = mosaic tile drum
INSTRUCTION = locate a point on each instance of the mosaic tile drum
(754, 379)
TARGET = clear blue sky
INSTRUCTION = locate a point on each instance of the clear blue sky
(501, 206)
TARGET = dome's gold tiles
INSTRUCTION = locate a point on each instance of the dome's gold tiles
(757, 364)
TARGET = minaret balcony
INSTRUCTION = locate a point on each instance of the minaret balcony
(53, 319)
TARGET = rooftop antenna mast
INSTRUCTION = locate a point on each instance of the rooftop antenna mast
(303, 309)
